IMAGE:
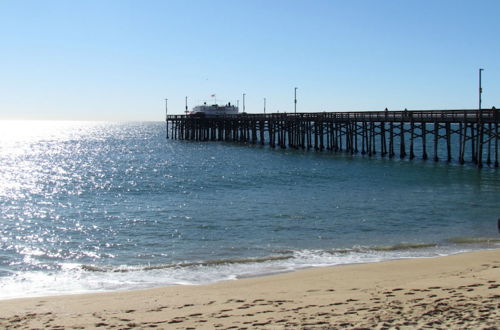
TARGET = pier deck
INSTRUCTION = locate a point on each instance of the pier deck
(472, 133)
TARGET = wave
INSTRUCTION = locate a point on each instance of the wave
(285, 255)
(473, 240)
(124, 269)
(86, 278)
(404, 246)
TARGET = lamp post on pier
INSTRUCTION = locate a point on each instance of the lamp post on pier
(479, 147)
(186, 105)
(295, 101)
(480, 89)
(244, 102)
(166, 115)
(264, 105)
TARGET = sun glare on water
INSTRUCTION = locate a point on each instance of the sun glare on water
(23, 142)
(22, 131)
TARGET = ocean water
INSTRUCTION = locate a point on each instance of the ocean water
(102, 206)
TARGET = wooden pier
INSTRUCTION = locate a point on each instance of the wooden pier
(463, 134)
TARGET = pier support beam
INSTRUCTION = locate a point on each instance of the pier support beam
(424, 141)
(436, 141)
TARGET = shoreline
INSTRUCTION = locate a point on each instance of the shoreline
(237, 275)
(460, 290)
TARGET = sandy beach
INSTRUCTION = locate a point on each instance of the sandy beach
(459, 291)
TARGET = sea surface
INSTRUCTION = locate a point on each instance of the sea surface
(103, 206)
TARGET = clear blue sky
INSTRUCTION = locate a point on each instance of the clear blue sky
(118, 60)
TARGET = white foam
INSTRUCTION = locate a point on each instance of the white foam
(72, 278)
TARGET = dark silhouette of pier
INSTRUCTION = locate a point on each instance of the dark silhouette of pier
(472, 133)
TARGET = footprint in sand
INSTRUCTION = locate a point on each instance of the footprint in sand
(176, 320)
(244, 307)
(259, 324)
(101, 324)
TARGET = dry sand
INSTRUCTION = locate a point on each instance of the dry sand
(460, 291)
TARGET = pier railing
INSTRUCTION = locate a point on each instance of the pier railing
(485, 115)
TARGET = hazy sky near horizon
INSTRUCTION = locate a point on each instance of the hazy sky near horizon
(119, 59)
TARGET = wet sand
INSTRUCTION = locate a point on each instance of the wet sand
(459, 292)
